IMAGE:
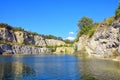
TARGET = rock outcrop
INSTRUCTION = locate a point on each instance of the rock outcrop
(15, 49)
(7, 35)
(64, 50)
(105, 41)
(23, 42)
(53, 42)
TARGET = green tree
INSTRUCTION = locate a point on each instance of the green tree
(117, 12)
(84, 24)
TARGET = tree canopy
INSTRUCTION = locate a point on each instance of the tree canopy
(85, 22)
(84, 25)
(4, 25)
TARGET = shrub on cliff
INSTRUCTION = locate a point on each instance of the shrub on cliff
(18, 29)
(3, 25)
(117, 12)
(52, 37)
(91, 32)
(110, 20)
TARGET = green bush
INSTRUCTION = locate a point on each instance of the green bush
(76, 48)
(33, 33)
(110, 20)
(86, 25)
(91, 33)
(76, 40)
(18, 29)
(4, 25)
(117, 12)
(53, 49)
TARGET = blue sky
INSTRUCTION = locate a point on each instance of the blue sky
(55, 17)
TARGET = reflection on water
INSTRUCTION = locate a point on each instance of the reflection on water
(14, 71)
(39, 68)
(99, 69)
(57, 68)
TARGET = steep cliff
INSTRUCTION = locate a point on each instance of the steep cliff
(104, 42)
(15, 49)
(18, 41)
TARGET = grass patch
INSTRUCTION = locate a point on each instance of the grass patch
(91, 33)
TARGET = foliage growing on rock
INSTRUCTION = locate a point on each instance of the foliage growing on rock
(110, 20)
(4, 25)
(117, 12)
(84, 25)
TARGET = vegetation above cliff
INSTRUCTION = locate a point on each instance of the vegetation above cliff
(4, 25)
(117, 12)
(87, 26)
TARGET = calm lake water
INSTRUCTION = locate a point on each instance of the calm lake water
(52, 67)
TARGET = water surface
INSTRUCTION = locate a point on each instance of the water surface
(57, 67)
(39, 67)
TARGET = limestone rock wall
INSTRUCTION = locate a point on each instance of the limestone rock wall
(23, 42)
(15, 49)
(105, 41)
(26, 38)
(53, 42)
(7, 35)
(64, 50)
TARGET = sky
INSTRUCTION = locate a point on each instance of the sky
(55, 17)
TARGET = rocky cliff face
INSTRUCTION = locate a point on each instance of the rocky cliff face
(15, 49)
(17, 42)
(7, 35)
(64, 50)
(105, 41)
(53, 42)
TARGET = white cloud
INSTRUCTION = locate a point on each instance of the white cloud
(70, 38)
(71, 32)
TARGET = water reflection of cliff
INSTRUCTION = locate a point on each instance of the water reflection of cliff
(99, 69)
(15, 71)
